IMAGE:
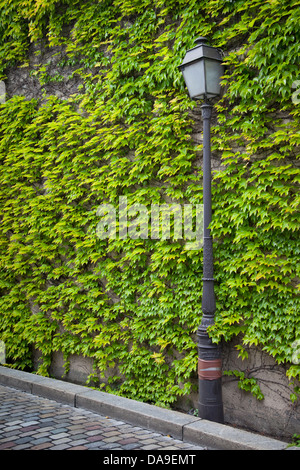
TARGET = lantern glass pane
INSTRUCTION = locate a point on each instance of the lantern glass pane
(213, 72)
(194, 78)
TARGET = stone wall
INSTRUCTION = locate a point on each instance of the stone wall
(55, 79)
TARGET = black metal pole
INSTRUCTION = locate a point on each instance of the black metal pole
(209, 353)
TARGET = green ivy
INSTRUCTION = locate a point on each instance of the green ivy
(246, 383)
(133, 305)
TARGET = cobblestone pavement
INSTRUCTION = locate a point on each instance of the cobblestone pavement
(36, 423)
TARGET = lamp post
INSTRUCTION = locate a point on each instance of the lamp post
(202, 70)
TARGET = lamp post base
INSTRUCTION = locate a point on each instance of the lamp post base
(210, 404)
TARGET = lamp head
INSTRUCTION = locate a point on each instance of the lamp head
(202, 70)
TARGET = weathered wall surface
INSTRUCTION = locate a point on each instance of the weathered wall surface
(275, 414)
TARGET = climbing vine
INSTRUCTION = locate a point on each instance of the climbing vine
(133, 305)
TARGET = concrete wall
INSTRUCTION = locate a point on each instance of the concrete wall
(275, 415)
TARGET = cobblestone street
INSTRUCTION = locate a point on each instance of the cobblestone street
(36, 423)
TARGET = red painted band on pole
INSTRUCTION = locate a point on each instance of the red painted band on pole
(210, 370)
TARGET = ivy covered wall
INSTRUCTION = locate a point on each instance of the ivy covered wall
(97, 109)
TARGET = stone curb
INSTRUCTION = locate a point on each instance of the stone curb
(179, 425)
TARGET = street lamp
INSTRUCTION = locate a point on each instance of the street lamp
(202, 70)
